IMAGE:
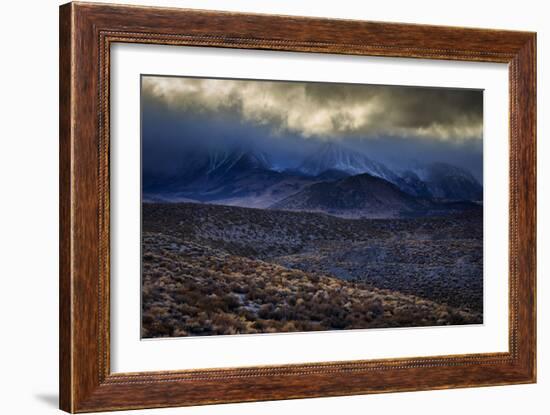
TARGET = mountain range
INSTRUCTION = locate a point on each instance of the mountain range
(334, 180)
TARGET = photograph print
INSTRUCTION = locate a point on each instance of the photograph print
(278, 206)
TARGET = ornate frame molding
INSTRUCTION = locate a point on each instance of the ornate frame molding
(87, 32)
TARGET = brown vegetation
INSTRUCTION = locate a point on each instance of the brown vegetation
(191, 289)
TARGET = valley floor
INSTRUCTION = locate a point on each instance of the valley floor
(226, 270)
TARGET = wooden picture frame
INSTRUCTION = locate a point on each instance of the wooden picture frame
(86, 33)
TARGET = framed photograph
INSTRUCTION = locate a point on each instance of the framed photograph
(258, 207)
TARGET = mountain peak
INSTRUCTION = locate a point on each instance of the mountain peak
(445, 181)
(336, 157)
(238, 159)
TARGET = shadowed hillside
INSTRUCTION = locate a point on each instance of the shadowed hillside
(362, 195)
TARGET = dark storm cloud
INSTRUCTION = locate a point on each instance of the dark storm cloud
(328, 111)
(168, 138)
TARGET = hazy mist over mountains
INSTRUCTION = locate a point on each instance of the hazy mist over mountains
(254, 143)
(168, 131)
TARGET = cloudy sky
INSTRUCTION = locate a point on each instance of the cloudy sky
(392, 123)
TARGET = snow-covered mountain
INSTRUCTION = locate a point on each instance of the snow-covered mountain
(441, 181)
(332, 156)
(201, 166)
(248, 178)
(224, 162)
(236, 178)
(432, 181)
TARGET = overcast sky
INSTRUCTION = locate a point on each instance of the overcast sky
(328, 111)
(389, 122)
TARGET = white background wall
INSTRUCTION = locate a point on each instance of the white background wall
(28, 207)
